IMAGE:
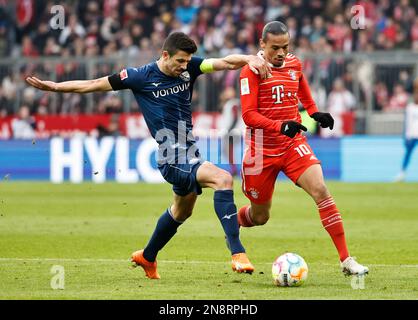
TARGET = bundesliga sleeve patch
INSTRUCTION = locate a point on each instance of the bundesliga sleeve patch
(123, 74)
(245, 88)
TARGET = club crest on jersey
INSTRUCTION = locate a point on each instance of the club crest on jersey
(292, 74)
(123, 74)
(254, 193)
(185, 76)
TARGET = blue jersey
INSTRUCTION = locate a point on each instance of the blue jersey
(165, 103)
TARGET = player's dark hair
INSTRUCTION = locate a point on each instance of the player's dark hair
(274, 27)
(179, 41)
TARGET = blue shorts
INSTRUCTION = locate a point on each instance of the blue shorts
(182, 177)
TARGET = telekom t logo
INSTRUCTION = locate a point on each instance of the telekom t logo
(277, 93)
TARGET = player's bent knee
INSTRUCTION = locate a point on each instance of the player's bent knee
(181, 214)
(259, 220)
(320, 192)
(223, 181)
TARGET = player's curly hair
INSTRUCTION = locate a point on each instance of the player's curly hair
(274, 27)
(179, 41)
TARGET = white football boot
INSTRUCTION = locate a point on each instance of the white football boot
(351, 267)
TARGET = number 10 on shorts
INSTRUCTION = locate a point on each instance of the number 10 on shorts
(303, 150)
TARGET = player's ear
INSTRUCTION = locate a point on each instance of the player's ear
(165, 55)
(262, 44)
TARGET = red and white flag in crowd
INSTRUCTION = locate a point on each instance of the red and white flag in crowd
(24, 12)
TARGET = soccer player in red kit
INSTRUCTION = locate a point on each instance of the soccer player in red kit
(270, 107)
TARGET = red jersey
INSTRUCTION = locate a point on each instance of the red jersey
(267, 103)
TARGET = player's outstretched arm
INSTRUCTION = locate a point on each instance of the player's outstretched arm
(78, 86)
(236, 61)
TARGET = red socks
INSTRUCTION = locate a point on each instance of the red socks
(330, 218)
(244, 219)
(332, 222)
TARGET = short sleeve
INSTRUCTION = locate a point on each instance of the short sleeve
(129, 78)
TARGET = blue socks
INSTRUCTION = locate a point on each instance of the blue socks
(227, 214)
(166, 228)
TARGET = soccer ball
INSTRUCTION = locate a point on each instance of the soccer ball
(289, 270)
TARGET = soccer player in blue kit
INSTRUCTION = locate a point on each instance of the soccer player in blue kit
(163, 89)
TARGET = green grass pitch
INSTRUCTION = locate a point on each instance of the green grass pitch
(90, 230)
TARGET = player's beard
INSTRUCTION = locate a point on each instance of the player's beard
(278, 63)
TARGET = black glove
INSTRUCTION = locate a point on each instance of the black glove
(324, 118)
(291, 128)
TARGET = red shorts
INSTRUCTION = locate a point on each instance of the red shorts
(258, 184)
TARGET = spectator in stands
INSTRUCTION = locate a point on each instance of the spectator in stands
(51, 47)
(306, 28)
(381, 96)
(186, 12)
(28, 48)
(4, 41)
(340, 102)
(23, 127)
(274, 10)
(91, 13)
(340, 34)
(72, 103)
(404, 14)
(9, 91)
(6, 106)
(364, 71)
(71, 31)
(111, 104)
(111, 26)
(29, 99)
(112, 129)
(128, 48)
(402, 41)
(292, 25)
(319, 30)
(399, 99)
(137, 33)
(114, 27)
(42, 35)
(406, 80)
(332, 9)
(414, 30)
(390, 33)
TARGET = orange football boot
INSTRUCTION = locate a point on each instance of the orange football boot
(150, 268)
(241, 264)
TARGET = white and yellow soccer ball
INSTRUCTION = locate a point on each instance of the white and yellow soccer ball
(289, 270)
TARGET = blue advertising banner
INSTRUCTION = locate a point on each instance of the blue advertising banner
(375, 158)
(352, 159)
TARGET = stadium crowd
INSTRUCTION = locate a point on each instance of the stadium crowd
(128, 29)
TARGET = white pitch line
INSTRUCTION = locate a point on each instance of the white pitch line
(64, 259)
(178, 261)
